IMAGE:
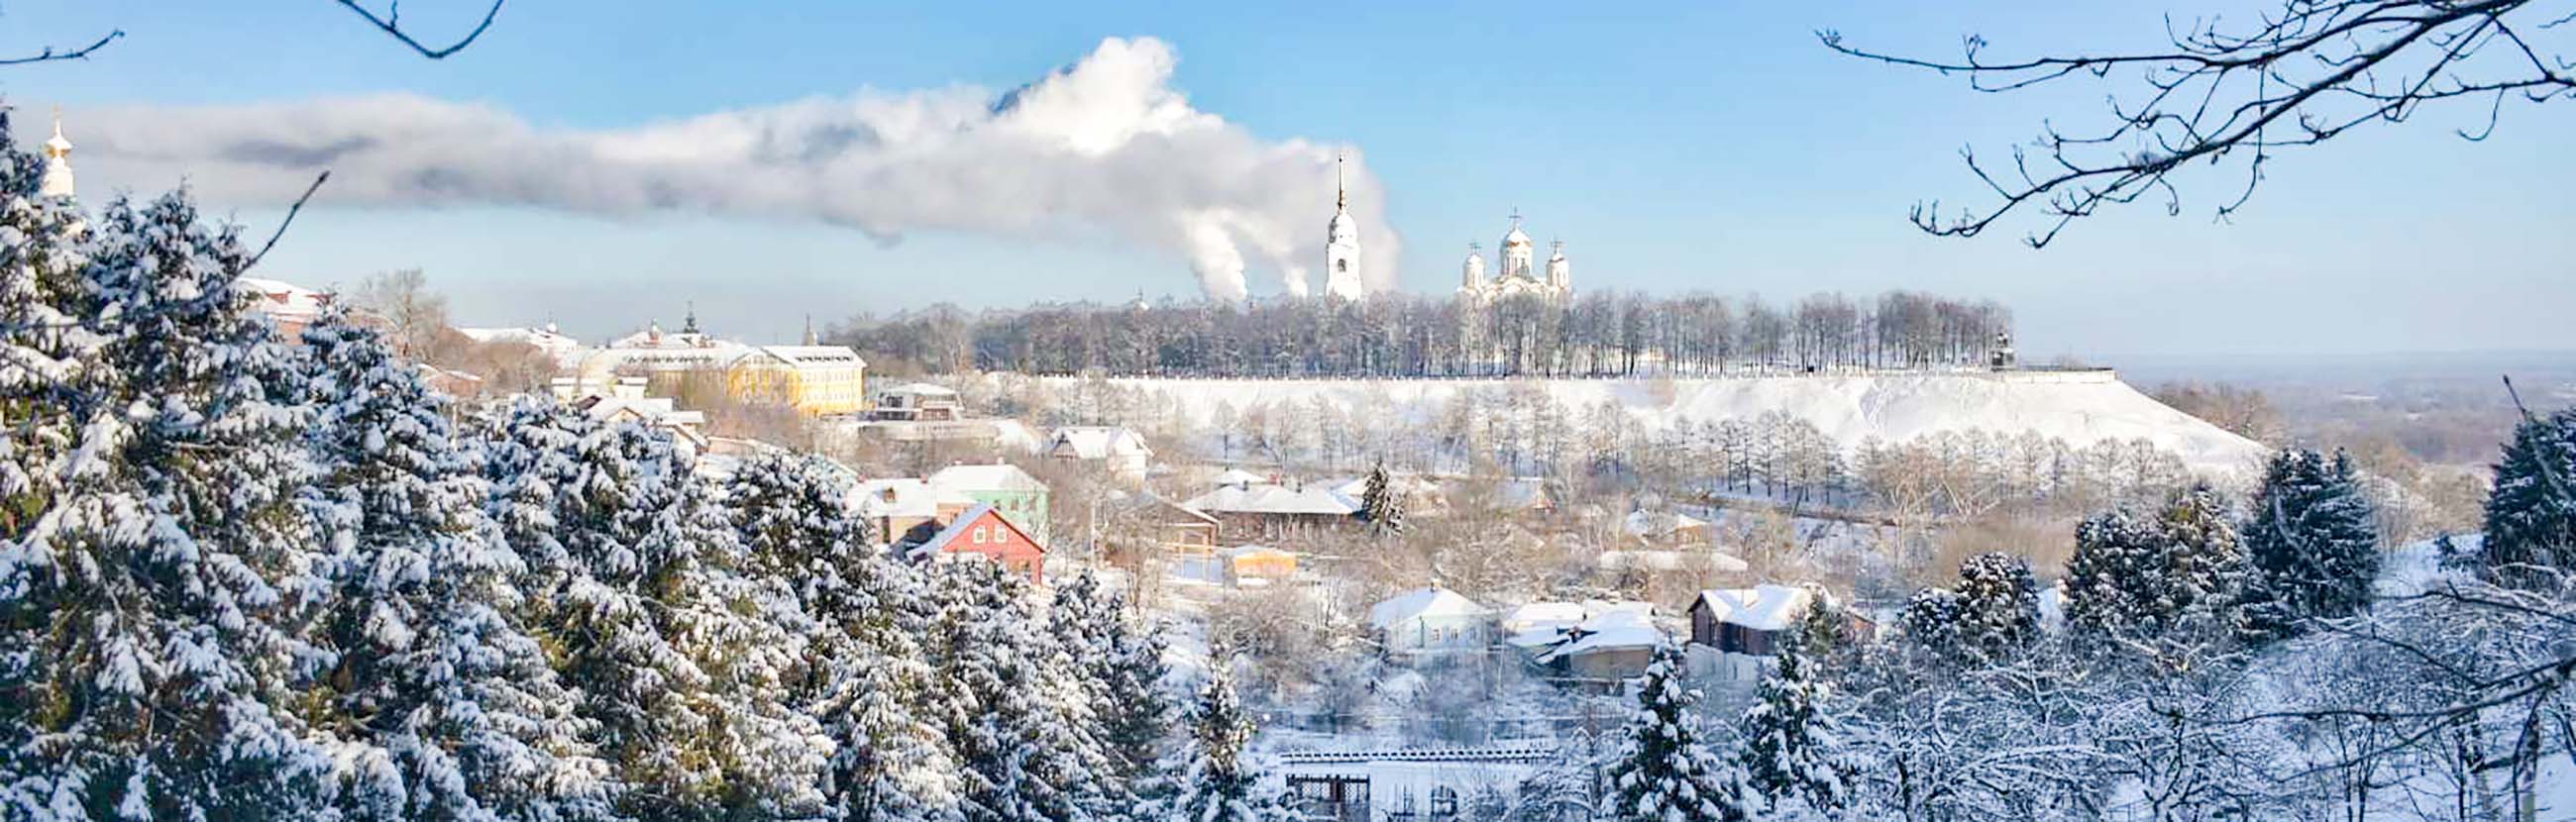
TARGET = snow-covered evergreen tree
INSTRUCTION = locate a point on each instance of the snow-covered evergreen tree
(642, 597)
(1930, 623)
(1218, 785)
(150, 550)
(443, 707)
(1823, 626)
(2312, 548)
(1014, 719)
(1792, 744)
(2115, 582)
(1122, 669)
(1662, 771)
(2531, 510)
(1998, 606)
(1381, 504)
(857, 671)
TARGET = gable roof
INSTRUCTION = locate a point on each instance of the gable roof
(1423, 602)
(1761, 607)
(1612, 630)
(1093, 442)
(958, 527)
(1650, 524)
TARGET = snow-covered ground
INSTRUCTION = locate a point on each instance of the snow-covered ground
(2081, 407)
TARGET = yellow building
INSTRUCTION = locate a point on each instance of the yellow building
(819, 380)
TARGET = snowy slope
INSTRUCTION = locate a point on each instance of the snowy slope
(2081, 407)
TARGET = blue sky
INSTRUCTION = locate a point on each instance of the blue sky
(1708, 146)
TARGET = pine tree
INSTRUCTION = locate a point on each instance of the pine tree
(1218, 786)
(1015, 723)
(1662, 772)
(2312, 548)
(2115, 582)
(1122, 666)
(1931, 624)
(1792, 747)
(150, 550)
(2531, 511)
(1998, 614)
(457, 712)
(856, 672)
(1381, 504)
(2146, 578)
(1823, 625)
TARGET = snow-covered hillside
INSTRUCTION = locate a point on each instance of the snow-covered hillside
(2080, 407)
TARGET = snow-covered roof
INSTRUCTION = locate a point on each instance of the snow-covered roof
(920, 389)
(1538, 614)
(1000, 476)
(566, 351)
(1628, 632)
(1761, 608)
(902, 497)
(1012, 434)
(1274, 499)
(1094, 442)
(815, 355)
(1422, 602)
(284, 300)
(1238, 476)
(1651, 524)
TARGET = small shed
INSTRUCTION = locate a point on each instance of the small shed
(1431, 621)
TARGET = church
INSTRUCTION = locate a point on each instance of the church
(1518, 275)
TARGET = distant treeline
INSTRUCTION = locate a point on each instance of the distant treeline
(1597, 334)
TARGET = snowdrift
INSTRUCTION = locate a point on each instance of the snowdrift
(2081, 407)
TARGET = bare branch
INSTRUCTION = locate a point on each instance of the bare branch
(2303, 75)
(49, 54)
(291, 211)
(391, 24)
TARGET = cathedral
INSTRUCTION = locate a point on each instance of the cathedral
(1518, 275)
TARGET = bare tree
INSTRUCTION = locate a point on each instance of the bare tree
(2225, 94)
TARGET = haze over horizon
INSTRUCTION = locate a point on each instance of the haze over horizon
(1739, 156)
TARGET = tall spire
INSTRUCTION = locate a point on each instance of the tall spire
(689, 324)
(809, 330)
(1341, 187)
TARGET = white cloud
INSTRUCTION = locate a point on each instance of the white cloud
(1106, 144)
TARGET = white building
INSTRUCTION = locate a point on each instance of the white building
(57, 180)
(1518, 273)
(1342, 244)
(1432, 622)
(1120, 449)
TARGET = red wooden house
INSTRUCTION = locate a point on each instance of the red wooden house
(983, 531)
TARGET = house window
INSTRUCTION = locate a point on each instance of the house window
(1444, 802)
(979, 535)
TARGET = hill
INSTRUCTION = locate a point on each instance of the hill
(2081, 407)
